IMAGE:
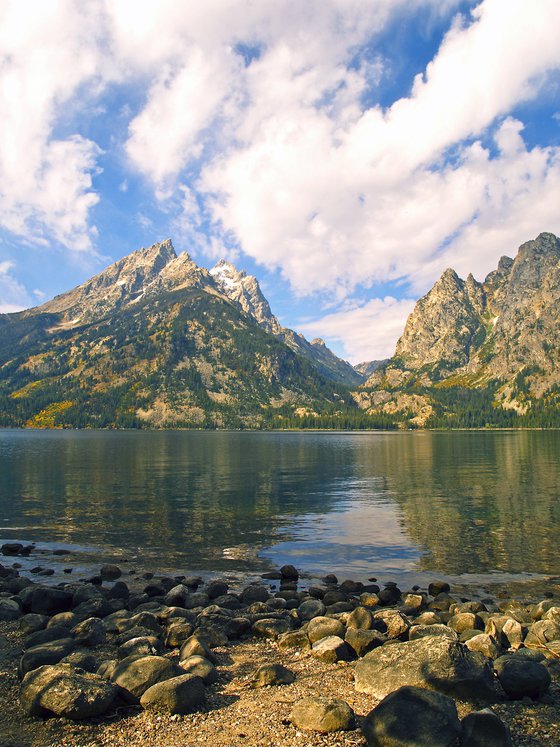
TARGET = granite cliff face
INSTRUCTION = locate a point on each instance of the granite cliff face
(502, 332)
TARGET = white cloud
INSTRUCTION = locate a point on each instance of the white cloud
(339, 199)
(13, 295)
(368, 331)
(47, 51)
(253, 124)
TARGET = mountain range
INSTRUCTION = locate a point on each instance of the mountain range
(157, 341)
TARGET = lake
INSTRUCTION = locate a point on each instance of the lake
(358, 504)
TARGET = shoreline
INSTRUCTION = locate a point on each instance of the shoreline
(279, 612)
(83, 561)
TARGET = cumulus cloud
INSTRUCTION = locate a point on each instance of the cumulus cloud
(338, 198)
(47, 51)
(248, 122)
(368, 331)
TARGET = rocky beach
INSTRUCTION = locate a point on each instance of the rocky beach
(130, 657)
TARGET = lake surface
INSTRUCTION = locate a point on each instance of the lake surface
(357, 504)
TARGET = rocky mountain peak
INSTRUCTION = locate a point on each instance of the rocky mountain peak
(122, 282)
(245, 290)
(442, 322)
(449, 279)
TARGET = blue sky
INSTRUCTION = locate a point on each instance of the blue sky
(344, 151)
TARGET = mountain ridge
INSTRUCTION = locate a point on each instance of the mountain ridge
(500, 333)
(156, 341)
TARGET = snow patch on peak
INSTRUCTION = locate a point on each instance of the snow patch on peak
(227, 274)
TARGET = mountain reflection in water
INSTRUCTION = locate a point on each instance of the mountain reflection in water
(452, 503)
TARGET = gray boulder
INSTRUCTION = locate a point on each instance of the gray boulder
(363, 641)
(321, 627)
(484, 729)
(433, 662)
(485, 644)
(178, 633)
(323, 715)
(521, 677)
(48, 600)
(135, 676)
(145, 619)
(254, 593)
(392, 623)
(311, 608)
(178, 596)
(54, 633)
(360, 619)
(541, 633)
(32, 623)
(201, 667)
(90, 632)
(9, 610)
(146, 645)
(294, 639)
(271, 627)
(86, 593)
(46, 653)
(194, 646)
(65, 691)
(421, 631)
(331, 649)
(177, 695)
(412, 717)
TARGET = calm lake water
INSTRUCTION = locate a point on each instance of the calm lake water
(358, 504)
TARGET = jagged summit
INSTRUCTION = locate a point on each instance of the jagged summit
(502, 332)
(122, 282)
(155, 339)
(245, 290)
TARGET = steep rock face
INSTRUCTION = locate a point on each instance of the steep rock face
(366, 368)
(123, 282)
(245, 290)
(504, 330)
(441, 327)
(503, 325)
(526, 313)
